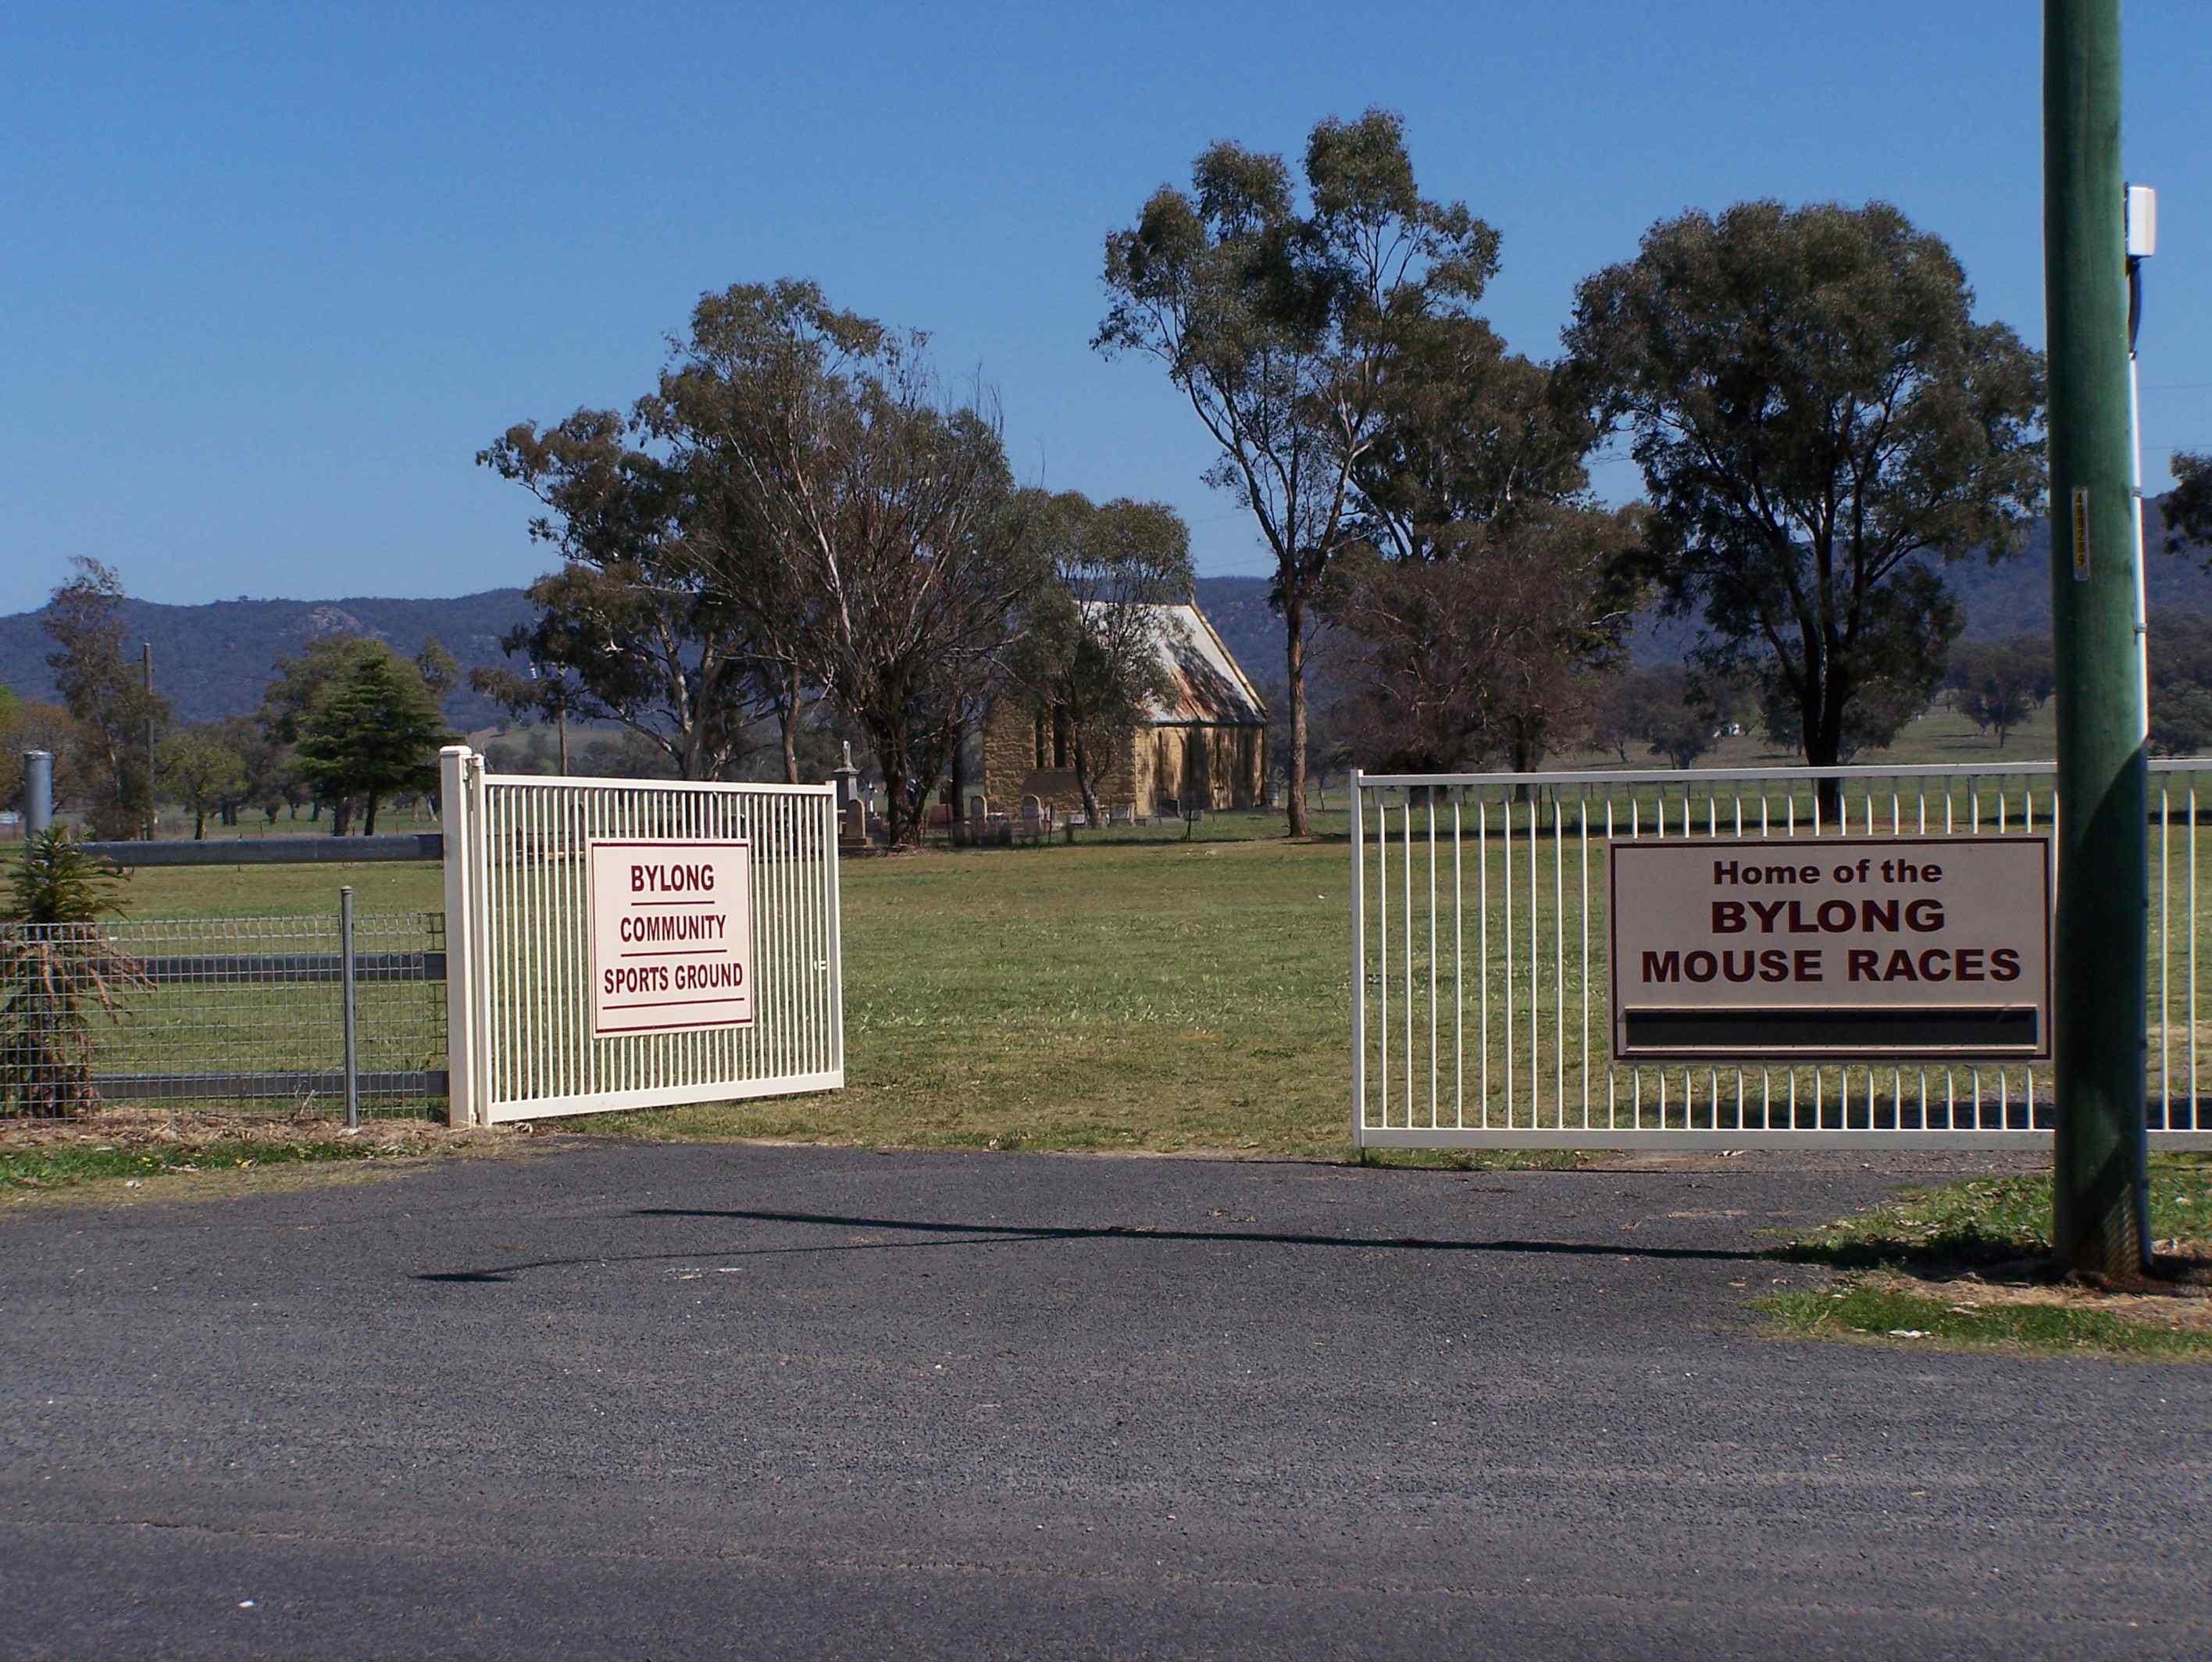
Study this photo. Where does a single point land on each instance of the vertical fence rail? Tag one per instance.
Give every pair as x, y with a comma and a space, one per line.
1522, 982
525, 881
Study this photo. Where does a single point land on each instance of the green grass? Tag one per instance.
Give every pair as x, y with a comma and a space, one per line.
1986, 1221
1117, 996
1880, 1315
69, 1165
1965, 1266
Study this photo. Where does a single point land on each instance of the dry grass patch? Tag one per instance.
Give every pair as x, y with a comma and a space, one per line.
123, 1156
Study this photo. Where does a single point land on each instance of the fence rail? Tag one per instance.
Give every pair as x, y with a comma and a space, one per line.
1480, 1004
274, 851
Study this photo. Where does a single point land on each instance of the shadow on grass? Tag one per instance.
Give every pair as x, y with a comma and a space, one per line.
1968, 1253
929, 1233
1945, 1255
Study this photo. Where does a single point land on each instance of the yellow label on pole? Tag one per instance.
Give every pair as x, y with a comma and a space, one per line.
2080, 533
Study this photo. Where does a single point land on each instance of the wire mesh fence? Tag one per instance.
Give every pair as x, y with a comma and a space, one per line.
247, 1014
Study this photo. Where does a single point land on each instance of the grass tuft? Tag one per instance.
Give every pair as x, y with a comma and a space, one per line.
1990, 1222
63, 1166
1875, 1314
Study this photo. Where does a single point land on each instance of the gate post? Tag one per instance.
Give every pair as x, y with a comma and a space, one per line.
457, 812
1358, 966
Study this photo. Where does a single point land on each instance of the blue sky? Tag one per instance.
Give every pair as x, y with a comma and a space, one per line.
271, 274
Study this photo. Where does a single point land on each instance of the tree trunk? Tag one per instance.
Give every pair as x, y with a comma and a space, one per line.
340, 816
1525, 757
787, 717
368, 819
1294, 617
959, 769
899, 817
199, 824
563, 718
1824, 743
1083, 783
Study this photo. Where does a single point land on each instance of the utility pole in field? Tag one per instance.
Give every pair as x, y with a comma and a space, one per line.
2099, 1187
146, 661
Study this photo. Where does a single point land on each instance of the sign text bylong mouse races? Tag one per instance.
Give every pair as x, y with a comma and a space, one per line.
1890, 948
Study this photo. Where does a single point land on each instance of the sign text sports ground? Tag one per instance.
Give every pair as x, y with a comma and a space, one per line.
672, 937
1834, 947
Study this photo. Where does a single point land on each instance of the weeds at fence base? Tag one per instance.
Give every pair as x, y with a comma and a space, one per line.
131, 1150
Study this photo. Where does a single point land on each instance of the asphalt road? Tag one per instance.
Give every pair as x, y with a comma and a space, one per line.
672, 1401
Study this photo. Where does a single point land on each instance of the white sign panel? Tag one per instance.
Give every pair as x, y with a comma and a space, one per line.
1832, 949
672, 937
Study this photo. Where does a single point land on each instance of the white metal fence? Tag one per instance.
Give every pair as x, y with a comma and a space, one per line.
1479, 1015
517, 870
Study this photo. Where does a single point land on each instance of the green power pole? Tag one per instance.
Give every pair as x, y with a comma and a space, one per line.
2102, 935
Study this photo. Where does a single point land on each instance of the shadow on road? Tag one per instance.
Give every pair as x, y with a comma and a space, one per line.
931, 1233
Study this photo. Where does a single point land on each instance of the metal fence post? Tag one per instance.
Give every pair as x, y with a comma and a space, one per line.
346, 978
1358, 968
463, 963
38, 792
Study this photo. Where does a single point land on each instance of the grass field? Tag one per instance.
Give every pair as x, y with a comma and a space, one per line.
1138, 991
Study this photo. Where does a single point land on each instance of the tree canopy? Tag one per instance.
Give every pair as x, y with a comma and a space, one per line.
202, 768
1088, 654
1821, 424
1277, 322
106, 693
627, 630
2188, 506
373, 731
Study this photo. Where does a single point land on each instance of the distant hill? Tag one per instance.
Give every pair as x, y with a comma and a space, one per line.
2012, 598
213, 660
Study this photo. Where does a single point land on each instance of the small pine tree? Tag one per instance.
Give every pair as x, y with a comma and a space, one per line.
377, 732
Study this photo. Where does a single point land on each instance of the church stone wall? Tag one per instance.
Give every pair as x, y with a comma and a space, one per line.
1216, 767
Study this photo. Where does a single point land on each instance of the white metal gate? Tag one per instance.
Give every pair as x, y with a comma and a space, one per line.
518, 909
1478, 1007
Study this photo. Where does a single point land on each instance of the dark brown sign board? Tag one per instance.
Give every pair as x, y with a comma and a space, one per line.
1830, 948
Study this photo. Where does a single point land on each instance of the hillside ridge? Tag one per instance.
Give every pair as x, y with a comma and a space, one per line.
212, 659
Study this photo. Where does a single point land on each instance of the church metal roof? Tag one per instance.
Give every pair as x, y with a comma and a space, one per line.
1211, 688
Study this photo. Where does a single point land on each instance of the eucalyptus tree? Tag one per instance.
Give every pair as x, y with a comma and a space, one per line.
1494, 651
872, 516
116, 715
1482, 547
1277, 320
1469, 434
1821, 424
627, 630
1090, 651
204, 769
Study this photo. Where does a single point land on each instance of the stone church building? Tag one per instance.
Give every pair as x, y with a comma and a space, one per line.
1205, 747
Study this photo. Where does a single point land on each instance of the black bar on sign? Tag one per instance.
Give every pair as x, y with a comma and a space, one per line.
274, 851
1780, 1032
